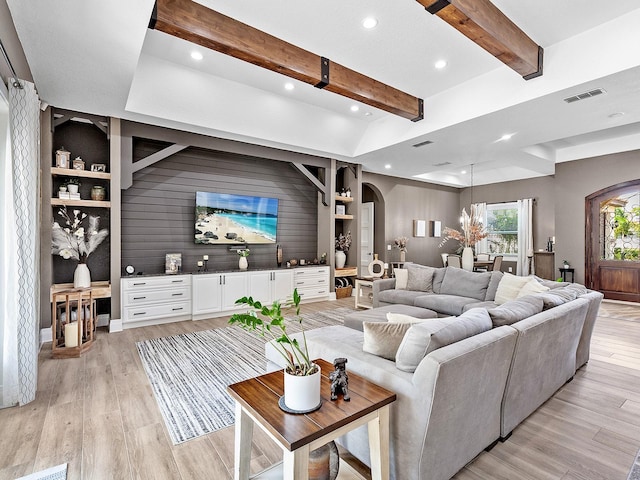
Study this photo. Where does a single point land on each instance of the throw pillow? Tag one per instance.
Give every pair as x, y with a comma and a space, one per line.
383, 339
420, 278
402, 275
515, 310
531, 287
509, 287
496, 276
466, 284
402, 318
424, 338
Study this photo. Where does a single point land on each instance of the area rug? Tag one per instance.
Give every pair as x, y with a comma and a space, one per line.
53, 473
189, 373
634, 474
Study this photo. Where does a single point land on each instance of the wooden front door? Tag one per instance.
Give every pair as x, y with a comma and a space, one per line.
613, 241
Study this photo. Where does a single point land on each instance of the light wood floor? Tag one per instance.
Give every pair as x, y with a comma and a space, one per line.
98, 414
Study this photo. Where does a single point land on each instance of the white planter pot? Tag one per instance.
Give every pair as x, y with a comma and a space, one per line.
82, 276
243, 263
467, 259
302, 393
72, 188
341, 259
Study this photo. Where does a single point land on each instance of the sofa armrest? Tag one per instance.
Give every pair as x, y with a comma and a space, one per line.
379, 286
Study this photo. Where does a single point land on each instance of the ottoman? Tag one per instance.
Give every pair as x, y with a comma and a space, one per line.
354, 320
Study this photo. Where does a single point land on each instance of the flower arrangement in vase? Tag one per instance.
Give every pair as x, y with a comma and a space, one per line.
472, 232
401, 244
243, 262
343, 243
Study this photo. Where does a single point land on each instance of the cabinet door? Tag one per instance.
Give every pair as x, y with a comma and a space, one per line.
260, 286
282, 285
234, 286
207, 291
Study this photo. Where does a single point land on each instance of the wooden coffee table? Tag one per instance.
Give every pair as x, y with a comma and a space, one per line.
297, 435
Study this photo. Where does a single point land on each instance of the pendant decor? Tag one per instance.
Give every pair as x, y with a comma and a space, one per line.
82, 276
467, 259
341, 259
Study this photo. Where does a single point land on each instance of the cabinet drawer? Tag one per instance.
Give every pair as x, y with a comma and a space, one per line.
313, 292
133, 314
310, 271
143, 297
155, 282
311, 281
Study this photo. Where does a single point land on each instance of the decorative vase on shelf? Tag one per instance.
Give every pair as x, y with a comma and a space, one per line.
82, 276
302, 393
467, 259
403, 255
243, 263
73, 188
341, 259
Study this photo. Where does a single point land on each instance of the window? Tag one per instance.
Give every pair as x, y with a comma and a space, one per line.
620, 228
501, 222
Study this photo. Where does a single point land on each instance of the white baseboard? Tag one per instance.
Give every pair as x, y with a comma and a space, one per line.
115, 325
45, 336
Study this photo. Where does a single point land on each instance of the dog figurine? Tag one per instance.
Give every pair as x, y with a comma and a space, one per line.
339, 380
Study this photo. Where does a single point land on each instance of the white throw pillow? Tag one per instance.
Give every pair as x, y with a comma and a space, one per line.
402, 318
383, 339
402, 277
532, 286
509, 288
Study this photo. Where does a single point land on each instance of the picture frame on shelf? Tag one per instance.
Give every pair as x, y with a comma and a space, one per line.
340, 210
173, 263
98, 167
78, 163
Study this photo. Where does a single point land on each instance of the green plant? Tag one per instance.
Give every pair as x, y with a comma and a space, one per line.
244, 253
269, 322
73, 181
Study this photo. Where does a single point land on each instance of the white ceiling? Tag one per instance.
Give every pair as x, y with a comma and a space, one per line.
100, 57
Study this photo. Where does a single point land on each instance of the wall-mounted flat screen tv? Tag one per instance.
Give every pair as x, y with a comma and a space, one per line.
223, 218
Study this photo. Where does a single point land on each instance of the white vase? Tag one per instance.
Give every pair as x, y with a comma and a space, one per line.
403, 256
243, 263
467, 258
341, 259
82, 276
302, 393
72, 188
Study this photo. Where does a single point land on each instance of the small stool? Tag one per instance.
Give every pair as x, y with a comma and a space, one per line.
564, 271
354, 320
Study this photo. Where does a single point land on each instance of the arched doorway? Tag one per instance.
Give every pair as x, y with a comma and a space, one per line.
613, 241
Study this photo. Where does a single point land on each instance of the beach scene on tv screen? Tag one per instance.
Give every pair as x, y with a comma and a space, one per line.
226, 218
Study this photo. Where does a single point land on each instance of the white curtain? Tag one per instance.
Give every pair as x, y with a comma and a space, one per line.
480, 210
525, 235
20, 224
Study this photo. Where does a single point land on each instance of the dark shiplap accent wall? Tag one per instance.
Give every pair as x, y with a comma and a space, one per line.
158, 210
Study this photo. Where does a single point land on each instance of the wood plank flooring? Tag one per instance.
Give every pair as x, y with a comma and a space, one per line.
98, 414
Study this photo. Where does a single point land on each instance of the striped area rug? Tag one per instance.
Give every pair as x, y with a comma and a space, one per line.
189, 373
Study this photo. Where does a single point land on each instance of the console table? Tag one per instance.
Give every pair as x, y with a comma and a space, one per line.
297, 435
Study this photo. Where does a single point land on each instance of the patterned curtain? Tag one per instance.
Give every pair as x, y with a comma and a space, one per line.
24, 125
525, 235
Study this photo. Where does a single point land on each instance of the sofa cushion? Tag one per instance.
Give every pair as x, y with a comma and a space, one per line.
445, 304
423, 338
551, 283
405, 297
466, 284
532, 286
401, 275
509, 287
420, 278
383, 339
558, 296
515, 310
485, 305
438, 277
393, 317
493, 286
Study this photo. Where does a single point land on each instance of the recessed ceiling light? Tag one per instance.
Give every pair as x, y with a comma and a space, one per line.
616, 114
355, 108
367, 114
289, 86
369, 22
387, 166
505, 137
196, 55
462, 172
440, 64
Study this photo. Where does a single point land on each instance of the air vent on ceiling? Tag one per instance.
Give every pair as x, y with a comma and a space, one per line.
422, 144
582, 96
441, 164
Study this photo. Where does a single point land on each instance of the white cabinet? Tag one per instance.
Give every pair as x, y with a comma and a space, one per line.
312, 282
217, 292
269, 285
153, 300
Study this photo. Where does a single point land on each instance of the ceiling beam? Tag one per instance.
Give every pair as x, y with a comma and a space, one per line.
482, 22
195, 23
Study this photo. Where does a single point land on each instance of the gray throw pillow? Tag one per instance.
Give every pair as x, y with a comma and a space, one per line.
515, 310
424, 338
438, 277
557, 296
465, 284
551, 283
383, 339
420, 278
493, 286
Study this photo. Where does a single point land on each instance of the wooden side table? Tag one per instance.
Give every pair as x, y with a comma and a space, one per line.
297, 435
564, 271
72, 338
364, 292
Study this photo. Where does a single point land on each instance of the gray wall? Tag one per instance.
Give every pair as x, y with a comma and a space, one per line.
158, 210
406, 200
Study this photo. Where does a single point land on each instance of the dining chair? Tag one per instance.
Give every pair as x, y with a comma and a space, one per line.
454, 261
483, 257
497, 263
444, 259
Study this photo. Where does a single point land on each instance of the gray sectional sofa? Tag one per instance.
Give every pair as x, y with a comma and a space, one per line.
468, 389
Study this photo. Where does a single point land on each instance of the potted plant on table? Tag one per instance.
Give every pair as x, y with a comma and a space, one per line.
301, 375
243, 262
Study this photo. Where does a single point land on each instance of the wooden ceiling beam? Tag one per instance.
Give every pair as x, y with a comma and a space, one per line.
483, 23
198, 24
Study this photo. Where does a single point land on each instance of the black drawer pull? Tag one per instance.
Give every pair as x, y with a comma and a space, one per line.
176, 294
140, 313
177, 281
176, 309
143, 283
139, 298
